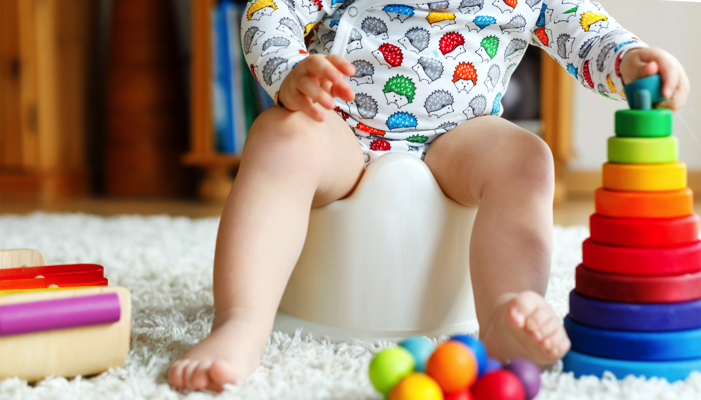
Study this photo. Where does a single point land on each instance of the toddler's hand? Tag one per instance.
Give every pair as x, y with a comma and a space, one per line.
316, 79
642, 62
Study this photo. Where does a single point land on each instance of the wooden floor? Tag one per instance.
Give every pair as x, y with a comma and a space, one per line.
572, 212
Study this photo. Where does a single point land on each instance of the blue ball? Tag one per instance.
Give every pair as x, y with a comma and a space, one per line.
419, 347
492, 364
478, 348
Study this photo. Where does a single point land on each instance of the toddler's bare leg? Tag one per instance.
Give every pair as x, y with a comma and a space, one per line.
507, 172
290, 164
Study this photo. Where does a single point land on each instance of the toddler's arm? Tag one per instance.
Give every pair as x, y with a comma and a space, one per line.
273, 34
585, 40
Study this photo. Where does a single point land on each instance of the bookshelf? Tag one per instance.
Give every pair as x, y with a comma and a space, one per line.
555, 122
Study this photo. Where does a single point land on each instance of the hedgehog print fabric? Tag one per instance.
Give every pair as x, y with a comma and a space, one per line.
423, 68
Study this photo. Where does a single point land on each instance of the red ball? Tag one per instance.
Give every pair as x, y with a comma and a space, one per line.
464, 394
499, 385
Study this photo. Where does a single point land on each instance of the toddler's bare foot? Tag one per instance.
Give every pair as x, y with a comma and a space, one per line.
228, 355
524, 325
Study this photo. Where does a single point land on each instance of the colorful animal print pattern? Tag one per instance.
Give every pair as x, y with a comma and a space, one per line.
424, 68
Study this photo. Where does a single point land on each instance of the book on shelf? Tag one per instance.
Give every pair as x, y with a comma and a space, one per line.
238, 98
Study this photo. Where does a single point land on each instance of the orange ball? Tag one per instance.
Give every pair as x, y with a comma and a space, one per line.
453, 365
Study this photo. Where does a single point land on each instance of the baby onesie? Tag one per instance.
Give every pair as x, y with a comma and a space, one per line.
424, 68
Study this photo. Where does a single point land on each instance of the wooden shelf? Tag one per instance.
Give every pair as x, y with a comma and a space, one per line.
212, 160
217, 168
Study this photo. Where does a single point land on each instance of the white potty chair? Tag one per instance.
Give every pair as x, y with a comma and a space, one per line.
389, 261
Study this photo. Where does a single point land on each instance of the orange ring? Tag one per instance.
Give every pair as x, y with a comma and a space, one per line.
611, 203
644, 177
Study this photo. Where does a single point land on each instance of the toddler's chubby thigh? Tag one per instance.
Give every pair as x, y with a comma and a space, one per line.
325, 154
486, 153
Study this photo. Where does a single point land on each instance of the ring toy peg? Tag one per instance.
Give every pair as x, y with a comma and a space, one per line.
643, 93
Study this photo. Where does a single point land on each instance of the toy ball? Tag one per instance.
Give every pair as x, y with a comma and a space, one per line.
528, 373
492, 364
464, 394
416, 386
477, 348
453, 366
499, 385
389, 366
421, 348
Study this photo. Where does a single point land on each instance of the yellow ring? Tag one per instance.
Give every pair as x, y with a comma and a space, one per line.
644, 177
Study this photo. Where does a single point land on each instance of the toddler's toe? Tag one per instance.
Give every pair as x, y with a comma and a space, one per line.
222, 373
175, 373
522, 306
200, 378
189, 372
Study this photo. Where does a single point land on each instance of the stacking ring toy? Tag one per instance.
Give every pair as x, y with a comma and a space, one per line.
643, 123
644, 232
642, 260
644, 177
637, 288
635, 316
582, 365
672, 204
635, 346
643, 93
643, 150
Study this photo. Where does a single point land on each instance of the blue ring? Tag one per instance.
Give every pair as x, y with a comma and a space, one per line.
582, 364
635, 317
636, 346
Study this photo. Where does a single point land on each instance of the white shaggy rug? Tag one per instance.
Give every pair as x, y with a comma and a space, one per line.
166, 263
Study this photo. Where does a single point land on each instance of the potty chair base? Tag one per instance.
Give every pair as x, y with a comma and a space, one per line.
290, 325
389, 261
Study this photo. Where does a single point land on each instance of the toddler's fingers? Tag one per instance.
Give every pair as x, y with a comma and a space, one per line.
322, 68
309, 108
679, 97
342, 64
668, 68
342, 90
315, 92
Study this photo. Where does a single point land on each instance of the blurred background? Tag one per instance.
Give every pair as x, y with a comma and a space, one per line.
142, 106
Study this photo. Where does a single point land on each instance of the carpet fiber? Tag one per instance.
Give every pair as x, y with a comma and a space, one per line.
166, 263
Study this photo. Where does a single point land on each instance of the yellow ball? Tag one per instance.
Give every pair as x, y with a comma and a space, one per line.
416, 386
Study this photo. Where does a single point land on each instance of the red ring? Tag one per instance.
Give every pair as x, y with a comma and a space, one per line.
644, 232
636, 288
642, 260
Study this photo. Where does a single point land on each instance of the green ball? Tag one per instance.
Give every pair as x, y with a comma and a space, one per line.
389, 366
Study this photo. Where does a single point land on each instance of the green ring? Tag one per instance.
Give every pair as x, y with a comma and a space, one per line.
644, 123
643, 150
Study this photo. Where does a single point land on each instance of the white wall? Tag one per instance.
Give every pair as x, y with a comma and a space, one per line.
673, 26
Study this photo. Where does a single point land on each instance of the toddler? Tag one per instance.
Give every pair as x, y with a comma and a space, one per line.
382, 76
